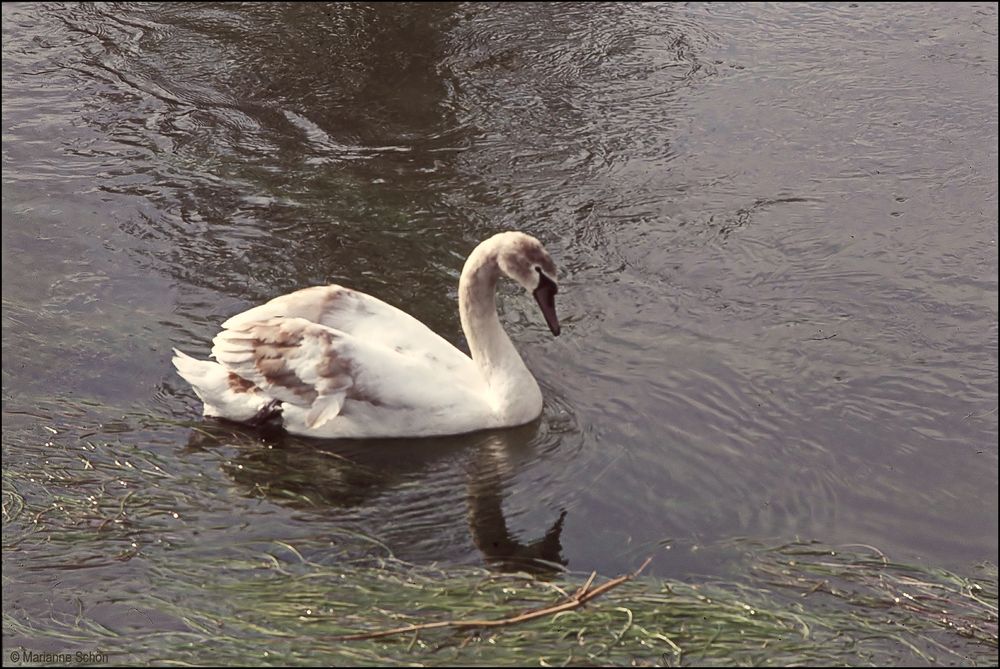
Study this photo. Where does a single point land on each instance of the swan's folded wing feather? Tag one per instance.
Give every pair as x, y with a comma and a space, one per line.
290, 359
360, 315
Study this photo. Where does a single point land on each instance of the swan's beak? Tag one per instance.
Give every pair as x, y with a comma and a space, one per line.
545, 295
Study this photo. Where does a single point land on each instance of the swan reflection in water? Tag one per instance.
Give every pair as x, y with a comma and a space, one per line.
411, 487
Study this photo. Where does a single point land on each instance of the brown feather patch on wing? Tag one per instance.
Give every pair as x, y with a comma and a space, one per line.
240, 385
289, 358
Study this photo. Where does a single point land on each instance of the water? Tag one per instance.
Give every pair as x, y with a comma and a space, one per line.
776, 230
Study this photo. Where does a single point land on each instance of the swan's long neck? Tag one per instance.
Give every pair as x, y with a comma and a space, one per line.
515, 392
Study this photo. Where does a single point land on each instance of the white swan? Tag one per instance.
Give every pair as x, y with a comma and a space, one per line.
333, 362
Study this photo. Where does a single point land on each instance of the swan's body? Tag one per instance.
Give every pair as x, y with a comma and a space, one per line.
334, 362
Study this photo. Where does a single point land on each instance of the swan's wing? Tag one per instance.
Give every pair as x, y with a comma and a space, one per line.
289, 359
358, 314
318, 368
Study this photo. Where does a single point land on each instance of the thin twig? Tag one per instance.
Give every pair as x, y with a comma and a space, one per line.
579, 598
585, 587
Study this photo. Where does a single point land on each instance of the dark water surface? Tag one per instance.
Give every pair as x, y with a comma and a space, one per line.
776, 227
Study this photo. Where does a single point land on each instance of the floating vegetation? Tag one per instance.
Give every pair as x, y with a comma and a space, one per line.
193, 591
802, 604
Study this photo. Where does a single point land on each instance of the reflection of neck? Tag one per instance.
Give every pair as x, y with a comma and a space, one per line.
514, 388
488, 525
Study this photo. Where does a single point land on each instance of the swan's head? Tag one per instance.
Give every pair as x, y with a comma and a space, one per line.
525, 260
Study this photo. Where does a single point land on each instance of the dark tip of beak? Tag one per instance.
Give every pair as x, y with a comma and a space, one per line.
545, 295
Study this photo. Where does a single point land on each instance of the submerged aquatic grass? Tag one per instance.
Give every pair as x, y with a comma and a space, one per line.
99, 507
803, 604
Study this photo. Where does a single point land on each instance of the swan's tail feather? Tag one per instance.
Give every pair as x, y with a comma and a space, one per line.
225, 394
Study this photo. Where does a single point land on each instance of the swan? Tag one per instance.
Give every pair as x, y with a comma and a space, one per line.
333, 362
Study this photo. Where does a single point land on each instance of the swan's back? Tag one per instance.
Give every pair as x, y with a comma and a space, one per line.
359, 315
